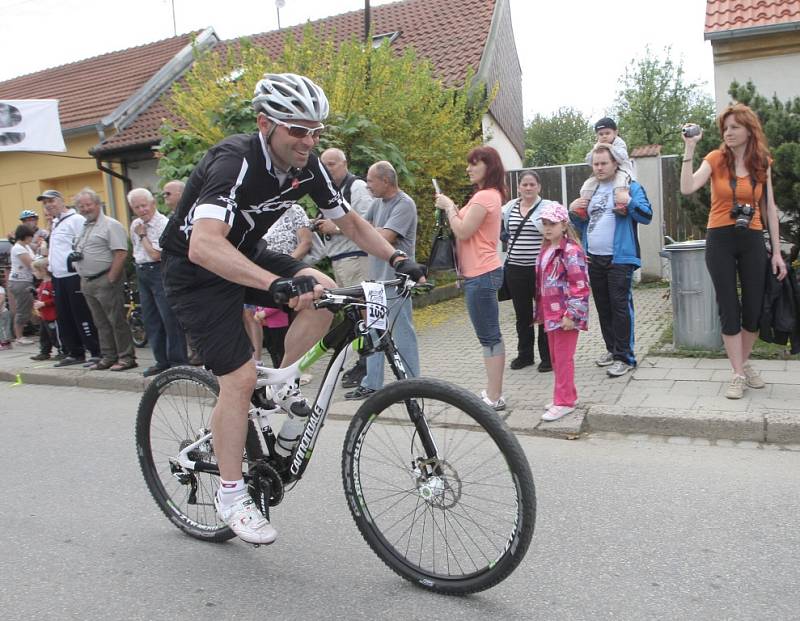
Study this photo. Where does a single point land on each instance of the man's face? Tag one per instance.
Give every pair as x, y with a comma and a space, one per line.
143, 207
172, 194
335, 165
88, 208
603, 165
288, 152
53, 206
376, 184
606, 135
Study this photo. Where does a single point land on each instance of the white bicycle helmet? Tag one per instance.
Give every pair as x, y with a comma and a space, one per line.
290, 97
27, 213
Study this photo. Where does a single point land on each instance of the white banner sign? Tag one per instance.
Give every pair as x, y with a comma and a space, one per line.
30, 125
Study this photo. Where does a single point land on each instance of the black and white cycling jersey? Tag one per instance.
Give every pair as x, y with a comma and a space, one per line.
236, 182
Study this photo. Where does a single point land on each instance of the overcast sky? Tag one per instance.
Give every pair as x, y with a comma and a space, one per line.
572, 52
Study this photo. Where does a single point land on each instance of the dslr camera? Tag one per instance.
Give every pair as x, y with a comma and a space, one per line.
72, 257
742, 214
691, 130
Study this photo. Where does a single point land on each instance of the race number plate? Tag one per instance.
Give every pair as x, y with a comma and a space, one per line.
375, 296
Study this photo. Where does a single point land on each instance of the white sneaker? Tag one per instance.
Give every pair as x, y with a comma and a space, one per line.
246, 520
498, 405
753, 377
24, 341
556, 412
291, 400
618, 368
551, 404
736, 388
605, 360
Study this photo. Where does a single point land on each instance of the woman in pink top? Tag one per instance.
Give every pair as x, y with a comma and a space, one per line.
476, 227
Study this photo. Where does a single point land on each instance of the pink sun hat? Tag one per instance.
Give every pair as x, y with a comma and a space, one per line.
555, 212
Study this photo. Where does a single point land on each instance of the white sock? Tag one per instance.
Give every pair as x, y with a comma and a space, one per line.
230, 491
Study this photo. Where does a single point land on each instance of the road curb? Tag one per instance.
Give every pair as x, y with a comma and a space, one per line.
780, 427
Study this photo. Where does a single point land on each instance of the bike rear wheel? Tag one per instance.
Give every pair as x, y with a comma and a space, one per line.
138, 333
457, 523
175, 411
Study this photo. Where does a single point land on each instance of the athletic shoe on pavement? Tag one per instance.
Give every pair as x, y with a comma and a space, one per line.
618, 368
607, 359
244, 518
556, 412
498, 405
753, 377
736, 388
361, 392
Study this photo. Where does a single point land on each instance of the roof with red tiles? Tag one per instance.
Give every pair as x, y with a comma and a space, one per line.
730, 15
647, 150
90, 89
452, 45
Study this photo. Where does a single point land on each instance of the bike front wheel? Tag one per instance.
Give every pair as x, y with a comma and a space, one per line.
175, 412
454, 516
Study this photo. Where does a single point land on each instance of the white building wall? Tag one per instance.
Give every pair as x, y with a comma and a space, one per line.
773, 74
494, 136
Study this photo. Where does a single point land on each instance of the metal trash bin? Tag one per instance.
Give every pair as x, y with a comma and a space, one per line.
695, 317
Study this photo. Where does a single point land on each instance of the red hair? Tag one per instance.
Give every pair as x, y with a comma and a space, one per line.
495, 173
756, 154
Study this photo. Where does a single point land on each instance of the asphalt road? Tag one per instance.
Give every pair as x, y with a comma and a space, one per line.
626, 530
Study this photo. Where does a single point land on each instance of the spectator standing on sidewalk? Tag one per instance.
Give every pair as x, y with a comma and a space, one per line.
172, 192
394, 214
20, 281
522, 224
610, 238
76, 328
563, 304
5, 322
349, 262
103, 248
739, 171
164, 333
45, 306
476, 227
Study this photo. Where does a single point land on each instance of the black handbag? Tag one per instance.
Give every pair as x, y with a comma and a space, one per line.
443, 249
504, 292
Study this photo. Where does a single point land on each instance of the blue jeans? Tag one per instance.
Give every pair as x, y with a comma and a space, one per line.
164, 333
405, 338
480, 295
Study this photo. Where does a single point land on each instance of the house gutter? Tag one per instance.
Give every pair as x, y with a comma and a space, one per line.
751, 32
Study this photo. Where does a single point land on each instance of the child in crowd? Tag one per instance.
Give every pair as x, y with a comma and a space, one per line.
45, 307
276, 325
606, 131
5, 322
562, 284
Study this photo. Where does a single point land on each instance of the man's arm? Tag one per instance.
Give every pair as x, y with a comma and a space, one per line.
639, 206
365, 235
209, 248
117, 265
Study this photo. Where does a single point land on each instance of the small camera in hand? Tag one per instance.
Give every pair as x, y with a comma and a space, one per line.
742, 214
73, 257
691, 130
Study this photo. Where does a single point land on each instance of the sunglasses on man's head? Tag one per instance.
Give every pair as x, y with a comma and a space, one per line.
300, 131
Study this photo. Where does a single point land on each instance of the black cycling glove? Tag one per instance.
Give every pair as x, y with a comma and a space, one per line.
410, 268
283, 289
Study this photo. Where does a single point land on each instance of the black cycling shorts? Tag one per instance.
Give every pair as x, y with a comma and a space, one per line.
209, 308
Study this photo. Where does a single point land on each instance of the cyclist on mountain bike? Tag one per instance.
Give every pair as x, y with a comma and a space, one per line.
215, 261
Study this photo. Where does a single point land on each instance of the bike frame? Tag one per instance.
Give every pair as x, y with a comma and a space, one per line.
339, 340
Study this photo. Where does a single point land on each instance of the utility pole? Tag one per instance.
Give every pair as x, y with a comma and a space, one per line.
366, 22
279, 4
174, 26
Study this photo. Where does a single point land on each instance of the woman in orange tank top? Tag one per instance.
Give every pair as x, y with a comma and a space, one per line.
740, 173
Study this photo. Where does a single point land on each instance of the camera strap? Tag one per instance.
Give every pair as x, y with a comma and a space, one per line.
753, 184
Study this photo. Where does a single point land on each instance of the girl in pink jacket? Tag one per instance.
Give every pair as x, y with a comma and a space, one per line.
562, 284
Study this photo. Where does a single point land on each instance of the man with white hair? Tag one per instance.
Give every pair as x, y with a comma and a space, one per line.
164, 333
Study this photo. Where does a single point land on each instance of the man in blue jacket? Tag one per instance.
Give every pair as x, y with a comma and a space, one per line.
609, 233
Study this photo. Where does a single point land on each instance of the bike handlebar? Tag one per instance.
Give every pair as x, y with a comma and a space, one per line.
355, 293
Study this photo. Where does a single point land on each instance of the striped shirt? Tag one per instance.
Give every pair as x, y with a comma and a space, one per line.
527, 246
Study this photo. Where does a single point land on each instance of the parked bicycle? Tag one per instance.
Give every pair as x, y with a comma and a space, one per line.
134, 316
435, 480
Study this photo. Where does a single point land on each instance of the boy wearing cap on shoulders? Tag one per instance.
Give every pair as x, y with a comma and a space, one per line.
606, 131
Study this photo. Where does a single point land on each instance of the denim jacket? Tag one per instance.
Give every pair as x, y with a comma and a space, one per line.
562, 287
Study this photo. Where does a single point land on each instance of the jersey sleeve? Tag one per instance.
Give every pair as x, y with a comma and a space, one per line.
224, 174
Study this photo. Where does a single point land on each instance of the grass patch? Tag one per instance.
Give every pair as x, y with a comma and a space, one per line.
761, 350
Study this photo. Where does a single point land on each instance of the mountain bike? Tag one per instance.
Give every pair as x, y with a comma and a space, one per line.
436, 482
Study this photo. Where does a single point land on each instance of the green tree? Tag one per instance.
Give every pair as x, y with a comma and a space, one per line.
781, 123
384, 106
655, 99
563, 138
